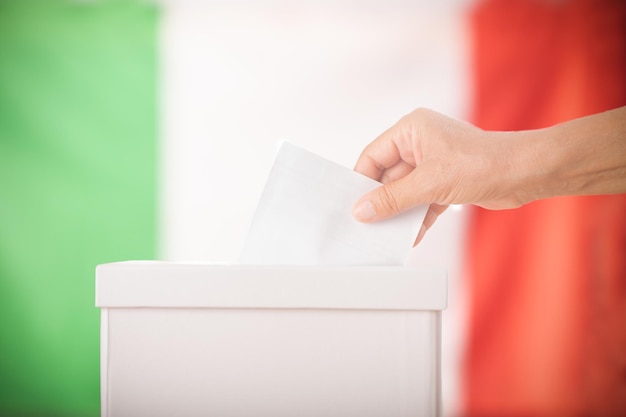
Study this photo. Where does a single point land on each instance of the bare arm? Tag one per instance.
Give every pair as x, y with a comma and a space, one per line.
584, 156
428, 158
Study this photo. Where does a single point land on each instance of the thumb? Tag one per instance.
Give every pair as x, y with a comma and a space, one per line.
387, 200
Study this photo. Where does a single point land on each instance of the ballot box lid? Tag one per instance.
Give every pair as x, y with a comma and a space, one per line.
177, 285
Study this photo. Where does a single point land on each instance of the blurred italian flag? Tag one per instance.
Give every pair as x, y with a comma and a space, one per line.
141, 130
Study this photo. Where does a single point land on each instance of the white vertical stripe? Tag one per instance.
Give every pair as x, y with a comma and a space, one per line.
237, 76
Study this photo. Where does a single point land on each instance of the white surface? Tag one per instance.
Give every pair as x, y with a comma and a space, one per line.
352, 360
160, 284
213, 362
442, 248
329, 76
304, 217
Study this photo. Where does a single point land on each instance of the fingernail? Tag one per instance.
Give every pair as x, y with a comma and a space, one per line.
420, 235
364, 211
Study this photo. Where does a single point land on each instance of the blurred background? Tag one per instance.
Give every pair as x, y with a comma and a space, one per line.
145, 130
141, 130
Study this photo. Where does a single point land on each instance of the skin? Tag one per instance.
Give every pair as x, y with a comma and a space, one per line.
429, 158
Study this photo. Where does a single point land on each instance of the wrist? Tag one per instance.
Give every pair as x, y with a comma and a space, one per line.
530, 165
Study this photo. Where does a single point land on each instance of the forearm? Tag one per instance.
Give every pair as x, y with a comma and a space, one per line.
428, 158
584, 156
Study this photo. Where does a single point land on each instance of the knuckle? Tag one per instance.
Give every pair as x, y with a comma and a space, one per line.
388, 201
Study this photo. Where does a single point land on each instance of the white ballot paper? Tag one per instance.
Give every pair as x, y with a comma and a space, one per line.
304, 217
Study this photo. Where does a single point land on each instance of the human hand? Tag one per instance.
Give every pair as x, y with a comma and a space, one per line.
429, 158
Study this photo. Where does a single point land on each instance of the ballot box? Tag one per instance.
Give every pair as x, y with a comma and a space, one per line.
215, 340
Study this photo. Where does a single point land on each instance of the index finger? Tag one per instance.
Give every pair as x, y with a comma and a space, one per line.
380, 154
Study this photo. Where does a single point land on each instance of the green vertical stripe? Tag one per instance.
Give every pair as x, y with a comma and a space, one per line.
77, 187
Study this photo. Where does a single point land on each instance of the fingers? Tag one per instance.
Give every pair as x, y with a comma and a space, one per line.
392, 159
419, 162
434, 210
380, 154
388, 200
399, 170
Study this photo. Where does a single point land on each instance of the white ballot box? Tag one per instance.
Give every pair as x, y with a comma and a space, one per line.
208, 340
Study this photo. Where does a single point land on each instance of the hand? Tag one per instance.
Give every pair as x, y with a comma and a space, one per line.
428, 158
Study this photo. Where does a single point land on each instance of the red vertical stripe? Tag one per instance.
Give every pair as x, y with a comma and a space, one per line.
547, 330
